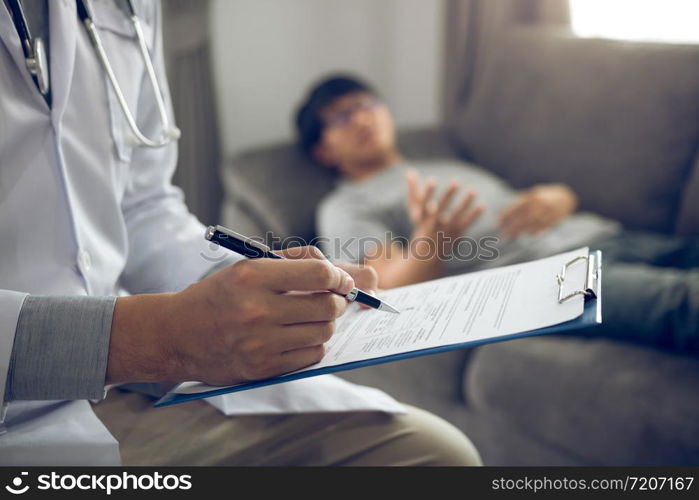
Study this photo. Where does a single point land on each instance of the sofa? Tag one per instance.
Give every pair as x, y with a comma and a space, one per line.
619, 123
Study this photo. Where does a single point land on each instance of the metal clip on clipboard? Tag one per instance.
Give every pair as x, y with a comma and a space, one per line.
592, 277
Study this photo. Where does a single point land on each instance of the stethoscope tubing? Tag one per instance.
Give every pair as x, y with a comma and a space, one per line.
22, 27
34, 53
36, 64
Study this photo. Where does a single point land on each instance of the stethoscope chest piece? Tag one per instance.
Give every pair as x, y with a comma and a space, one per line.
38, 66
35, 57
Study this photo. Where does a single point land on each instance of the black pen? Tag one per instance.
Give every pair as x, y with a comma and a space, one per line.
255, 250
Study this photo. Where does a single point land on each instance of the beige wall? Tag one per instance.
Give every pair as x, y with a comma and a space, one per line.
266, 52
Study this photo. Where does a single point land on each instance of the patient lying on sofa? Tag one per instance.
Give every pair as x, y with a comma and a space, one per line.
462, 218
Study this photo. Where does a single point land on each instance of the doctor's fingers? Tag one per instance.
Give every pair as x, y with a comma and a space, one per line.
300, 358
364, 275
305, 252
293, 309
303, 335
290, 275
269, 362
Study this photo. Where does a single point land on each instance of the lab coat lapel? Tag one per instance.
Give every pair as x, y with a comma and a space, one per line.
64, 26
9, 36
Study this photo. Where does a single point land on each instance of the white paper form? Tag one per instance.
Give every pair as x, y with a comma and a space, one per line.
470, 307
475, 306
325, 393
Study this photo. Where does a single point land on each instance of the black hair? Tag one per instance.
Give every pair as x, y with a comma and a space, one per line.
309, 122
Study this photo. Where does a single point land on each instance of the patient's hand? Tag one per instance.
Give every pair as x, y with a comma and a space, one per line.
537, 210
435, 220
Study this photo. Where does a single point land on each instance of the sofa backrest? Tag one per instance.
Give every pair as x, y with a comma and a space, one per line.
617, 121
278, 189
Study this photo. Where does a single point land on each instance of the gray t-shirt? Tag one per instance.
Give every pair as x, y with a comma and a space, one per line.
356, 216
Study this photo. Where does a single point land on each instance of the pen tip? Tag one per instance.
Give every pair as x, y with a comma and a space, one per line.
385, 307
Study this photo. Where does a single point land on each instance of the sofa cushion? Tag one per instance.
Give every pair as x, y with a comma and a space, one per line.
609, 403
278, 187
617, 121
281, 189
688, 217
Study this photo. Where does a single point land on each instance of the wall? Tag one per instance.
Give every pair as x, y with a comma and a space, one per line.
267, 52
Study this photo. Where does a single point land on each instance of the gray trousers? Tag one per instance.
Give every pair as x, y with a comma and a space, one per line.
650, 290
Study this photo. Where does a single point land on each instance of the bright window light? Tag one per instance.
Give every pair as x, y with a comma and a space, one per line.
674, 21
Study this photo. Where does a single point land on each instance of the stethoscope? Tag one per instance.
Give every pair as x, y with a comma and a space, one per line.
35, 57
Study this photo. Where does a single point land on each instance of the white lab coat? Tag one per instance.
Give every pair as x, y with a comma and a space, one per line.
81, 211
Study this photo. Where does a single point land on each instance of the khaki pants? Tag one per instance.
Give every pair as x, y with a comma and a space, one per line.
196, 433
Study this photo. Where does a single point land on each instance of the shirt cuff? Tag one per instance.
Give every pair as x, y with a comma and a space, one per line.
10, 307
61, 348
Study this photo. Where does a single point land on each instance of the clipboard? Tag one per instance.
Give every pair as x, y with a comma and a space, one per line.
591, 290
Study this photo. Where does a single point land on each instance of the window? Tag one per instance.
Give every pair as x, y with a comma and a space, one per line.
647, 20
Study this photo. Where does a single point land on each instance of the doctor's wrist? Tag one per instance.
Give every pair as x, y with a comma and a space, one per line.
139, 349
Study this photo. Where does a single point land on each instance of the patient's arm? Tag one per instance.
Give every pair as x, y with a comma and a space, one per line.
538, 209
398, 266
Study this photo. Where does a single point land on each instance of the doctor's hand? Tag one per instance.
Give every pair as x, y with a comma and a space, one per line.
365, 277
537, 210
251, 320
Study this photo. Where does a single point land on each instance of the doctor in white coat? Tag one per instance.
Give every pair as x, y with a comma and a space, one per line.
86, 209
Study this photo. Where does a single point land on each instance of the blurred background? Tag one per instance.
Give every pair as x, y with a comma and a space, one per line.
266, 53
600, 95
252, 60
239, 67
